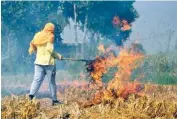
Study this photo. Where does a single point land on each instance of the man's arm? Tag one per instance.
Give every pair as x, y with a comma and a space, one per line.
50, 49
32, 48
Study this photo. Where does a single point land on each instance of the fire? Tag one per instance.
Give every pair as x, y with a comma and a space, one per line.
101, 48
123, 24
126, 62
101, 65
121, 85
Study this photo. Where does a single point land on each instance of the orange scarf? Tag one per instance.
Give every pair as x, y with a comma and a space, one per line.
43, 37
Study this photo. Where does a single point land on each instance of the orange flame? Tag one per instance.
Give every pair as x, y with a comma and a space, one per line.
123, 24
120, 86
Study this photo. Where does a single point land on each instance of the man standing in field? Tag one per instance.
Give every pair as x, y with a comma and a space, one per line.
42, 44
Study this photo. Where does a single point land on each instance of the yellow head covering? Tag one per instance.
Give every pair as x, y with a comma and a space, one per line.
43, 37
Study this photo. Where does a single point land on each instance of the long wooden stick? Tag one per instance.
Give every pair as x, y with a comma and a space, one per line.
73, 59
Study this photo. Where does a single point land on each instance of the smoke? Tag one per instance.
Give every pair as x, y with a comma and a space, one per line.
27, 18
13, 52
23, 29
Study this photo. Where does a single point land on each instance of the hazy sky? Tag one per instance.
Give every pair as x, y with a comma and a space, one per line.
152, 27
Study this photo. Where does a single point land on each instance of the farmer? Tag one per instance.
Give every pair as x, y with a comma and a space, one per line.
42, 44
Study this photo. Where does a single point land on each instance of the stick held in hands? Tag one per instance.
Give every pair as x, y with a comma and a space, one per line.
73, 59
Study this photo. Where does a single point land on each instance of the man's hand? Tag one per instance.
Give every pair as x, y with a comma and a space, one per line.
60, 57
31, 49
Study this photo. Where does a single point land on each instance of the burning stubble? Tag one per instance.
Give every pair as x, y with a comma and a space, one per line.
121, 85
